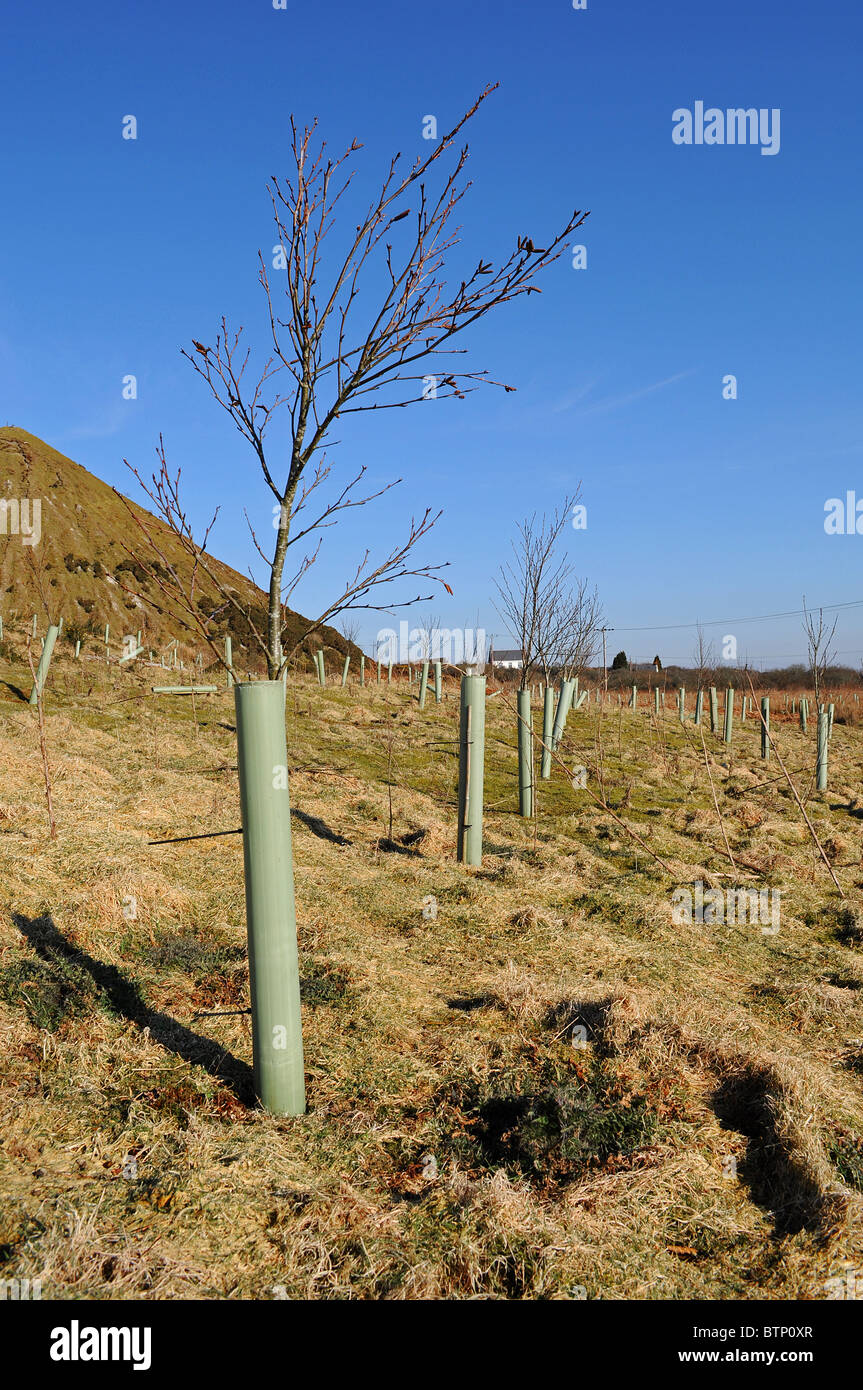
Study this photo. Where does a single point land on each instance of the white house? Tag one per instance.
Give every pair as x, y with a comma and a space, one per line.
507, 660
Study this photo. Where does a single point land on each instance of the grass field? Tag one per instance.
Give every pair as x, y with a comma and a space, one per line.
537, 1085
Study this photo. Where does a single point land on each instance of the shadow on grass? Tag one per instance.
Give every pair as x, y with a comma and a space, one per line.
319, 827
777, 1177
17, 691
124, 998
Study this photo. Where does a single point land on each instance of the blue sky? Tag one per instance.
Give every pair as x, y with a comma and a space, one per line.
703, 261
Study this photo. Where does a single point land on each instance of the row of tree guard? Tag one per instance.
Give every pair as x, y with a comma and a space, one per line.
555, 710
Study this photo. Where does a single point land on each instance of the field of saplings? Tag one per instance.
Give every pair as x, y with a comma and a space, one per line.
620, 1057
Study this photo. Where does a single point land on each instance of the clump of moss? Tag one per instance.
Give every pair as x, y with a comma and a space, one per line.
48, 991
550, 1123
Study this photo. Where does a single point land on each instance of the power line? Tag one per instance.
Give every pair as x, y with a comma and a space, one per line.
761, 618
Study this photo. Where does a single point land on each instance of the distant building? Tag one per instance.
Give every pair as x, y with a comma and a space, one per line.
507, 660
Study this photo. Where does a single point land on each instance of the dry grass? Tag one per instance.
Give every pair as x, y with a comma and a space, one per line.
548, 1090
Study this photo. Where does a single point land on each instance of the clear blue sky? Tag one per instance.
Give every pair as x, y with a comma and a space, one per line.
702, 261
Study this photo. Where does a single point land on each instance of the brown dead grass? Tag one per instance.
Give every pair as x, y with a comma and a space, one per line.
132, 1163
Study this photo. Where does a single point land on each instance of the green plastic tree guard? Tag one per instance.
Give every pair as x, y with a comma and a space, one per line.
699, 704
271, 923
681, 703
229, 661
438, 682
77, 649
804, 711
821, 753
44, 662
471, 768
525, 754
765, 726
656, 700
322, 674
345, 669
714, 710
424, 682
547, 727
830, 710
729, 715
564, 700
33, 631
633, 702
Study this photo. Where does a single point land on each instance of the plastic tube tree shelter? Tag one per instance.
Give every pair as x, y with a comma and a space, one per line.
821, 751
44, 662
471, 767
277, 1044
564, 700
525, 753
765, 726
547, 728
